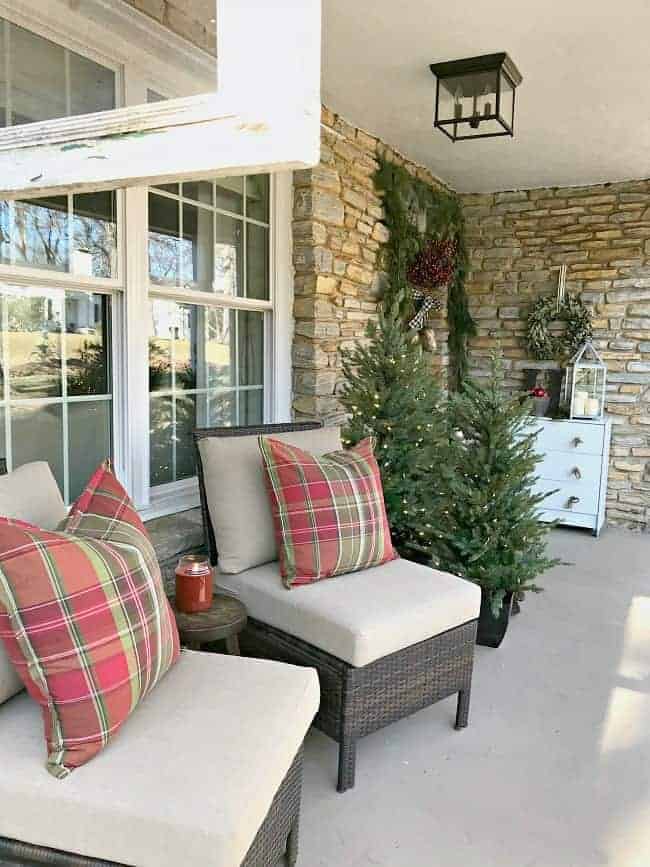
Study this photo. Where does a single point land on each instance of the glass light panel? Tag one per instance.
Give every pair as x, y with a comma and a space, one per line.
185, 423
92, 87
186, 346
230, 194
199, 191
164, 240
197, 264
257, 197
228, 255
34, 344
37, 75
257, 262
89, 441
161, 444
5, 232
251, 347
87, 344
507, 101
94, 230
222, 410
251, 407
39, 238
37, 435
220, 347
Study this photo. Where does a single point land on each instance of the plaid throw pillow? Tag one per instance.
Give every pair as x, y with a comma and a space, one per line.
328, 512
85, 620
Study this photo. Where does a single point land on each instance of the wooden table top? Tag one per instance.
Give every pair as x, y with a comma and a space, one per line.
225, 618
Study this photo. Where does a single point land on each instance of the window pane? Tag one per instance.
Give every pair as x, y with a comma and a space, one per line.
257, 197
89, 441
257, 261
200, 191
184, 442
230, 194
185, 346
92, 87
37, 70
40, 233
168, 188
163, 319
95, 234
5, 232
228, 256
160, 440
251, 407
222, 410
34, 339
164, 240
220, 348
86, 343
37, 435
251, 348
197, 249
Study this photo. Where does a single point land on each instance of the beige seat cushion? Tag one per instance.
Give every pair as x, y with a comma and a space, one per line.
30, 494
236, 494
189, 779
362, 616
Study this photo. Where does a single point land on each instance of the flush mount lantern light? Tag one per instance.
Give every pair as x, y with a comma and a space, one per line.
475, 97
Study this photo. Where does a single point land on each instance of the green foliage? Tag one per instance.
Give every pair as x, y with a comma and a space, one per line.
491, 532
416, 212
392, 394
545, 346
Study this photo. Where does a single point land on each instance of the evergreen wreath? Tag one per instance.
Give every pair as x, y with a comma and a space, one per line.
544, 345
406, 199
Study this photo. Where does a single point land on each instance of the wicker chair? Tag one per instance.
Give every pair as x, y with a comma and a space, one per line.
358, 701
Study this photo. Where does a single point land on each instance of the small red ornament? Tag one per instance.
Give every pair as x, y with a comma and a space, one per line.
538, 391
434, 264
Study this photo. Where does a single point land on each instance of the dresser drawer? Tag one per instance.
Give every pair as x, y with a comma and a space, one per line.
563, 467
570, 437
586, 494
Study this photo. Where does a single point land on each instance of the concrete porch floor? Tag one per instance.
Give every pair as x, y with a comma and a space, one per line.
554, 769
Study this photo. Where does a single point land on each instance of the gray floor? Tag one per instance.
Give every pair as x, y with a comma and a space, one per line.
554, 769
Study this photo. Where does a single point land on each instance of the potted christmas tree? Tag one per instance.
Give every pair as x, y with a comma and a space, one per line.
493, 536
392, 394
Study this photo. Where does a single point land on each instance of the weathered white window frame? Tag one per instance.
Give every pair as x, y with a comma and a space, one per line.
264, 115
130, 289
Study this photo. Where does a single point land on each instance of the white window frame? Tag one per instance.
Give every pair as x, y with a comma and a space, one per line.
264, 115
130, 291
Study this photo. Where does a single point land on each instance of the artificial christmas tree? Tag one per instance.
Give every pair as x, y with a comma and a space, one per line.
392, 394
492, 534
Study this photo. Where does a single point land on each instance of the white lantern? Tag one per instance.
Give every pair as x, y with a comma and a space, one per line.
584, 384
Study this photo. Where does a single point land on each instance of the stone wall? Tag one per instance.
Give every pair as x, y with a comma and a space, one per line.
338, 232
182, 17
518, 240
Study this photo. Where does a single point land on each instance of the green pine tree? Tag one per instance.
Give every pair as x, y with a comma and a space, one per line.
492, 535
392, 394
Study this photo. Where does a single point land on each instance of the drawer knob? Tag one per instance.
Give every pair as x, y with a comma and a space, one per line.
573, 501
576, 473
577, 441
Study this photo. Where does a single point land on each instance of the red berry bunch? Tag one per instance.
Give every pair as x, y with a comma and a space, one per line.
538, 391
434, 264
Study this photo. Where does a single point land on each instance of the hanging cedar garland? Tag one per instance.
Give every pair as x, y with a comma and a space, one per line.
416, 214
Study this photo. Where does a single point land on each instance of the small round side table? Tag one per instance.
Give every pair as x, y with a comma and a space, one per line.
222, 622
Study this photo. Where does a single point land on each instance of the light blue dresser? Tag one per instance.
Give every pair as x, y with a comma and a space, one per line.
575, 462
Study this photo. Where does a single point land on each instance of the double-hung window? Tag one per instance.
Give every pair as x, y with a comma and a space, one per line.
129, 318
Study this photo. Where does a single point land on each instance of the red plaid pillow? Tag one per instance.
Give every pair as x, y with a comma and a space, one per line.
85, 620
328, 512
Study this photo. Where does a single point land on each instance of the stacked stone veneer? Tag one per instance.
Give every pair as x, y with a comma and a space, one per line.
518, 240
338, 232
178, 15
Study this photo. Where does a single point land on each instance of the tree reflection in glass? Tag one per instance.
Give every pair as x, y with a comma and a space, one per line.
40, 233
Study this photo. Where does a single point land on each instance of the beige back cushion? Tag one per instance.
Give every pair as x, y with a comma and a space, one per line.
236, 494
30, 494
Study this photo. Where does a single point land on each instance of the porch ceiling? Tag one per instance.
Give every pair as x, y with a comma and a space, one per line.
583, 112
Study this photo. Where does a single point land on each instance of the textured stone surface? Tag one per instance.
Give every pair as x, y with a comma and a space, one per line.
338, 233
173, 536
518, 241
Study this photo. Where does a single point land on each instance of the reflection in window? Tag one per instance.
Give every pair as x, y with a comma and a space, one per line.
55, 396
43, 80
36, 233
206, 368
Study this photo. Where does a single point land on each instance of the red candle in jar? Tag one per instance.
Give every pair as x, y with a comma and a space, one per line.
193, 584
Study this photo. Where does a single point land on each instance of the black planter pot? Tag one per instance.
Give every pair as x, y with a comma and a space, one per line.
491, 629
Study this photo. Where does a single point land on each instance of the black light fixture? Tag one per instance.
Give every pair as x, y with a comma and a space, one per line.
475, 97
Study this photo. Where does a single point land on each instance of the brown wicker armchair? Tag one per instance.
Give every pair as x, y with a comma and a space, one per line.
358, 701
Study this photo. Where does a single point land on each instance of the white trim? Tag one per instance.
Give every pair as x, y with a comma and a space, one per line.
171, 499
282, 293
